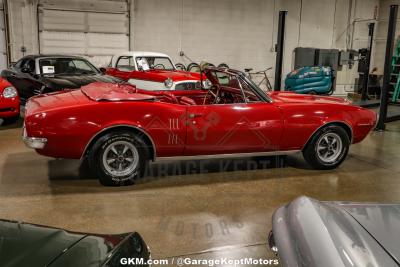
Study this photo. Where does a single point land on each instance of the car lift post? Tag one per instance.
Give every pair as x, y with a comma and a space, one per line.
279, 50
364, 92
380, 126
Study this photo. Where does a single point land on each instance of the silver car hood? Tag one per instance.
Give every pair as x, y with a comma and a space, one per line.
382, 221
311, 233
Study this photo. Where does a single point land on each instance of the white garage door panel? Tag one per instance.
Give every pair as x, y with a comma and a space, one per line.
102, 44
97, 35
62, 42
56, 20
108, 23
91, 44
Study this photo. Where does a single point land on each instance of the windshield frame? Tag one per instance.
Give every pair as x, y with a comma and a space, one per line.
242, 78
40, 71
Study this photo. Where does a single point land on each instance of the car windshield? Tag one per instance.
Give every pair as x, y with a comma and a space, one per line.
153, 63
66, 66
238, 82
254, 87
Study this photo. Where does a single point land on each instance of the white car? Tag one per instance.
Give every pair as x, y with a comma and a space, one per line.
152, 71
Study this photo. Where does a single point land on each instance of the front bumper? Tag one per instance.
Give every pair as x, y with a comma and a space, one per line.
33, 142
9, 107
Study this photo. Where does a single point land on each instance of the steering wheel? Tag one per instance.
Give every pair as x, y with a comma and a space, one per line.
157, 66
214, 91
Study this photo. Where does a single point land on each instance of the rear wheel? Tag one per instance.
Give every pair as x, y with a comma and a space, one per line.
327, 148
118, 158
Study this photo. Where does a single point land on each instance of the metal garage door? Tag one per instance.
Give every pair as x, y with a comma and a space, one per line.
3, 48
96, 34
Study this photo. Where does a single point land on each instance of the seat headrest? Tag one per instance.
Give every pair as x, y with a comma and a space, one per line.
186, 101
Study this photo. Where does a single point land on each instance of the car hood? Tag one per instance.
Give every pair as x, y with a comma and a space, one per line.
162, 75
382, 221
291, 97
33, 245
24, 244
311, 233
76, 81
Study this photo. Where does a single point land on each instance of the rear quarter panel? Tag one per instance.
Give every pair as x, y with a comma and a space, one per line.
69, 130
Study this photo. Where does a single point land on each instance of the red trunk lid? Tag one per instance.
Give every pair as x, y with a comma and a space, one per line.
113, 92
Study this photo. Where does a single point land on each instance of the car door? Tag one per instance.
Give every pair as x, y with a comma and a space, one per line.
124, 68
233, 128
242, 121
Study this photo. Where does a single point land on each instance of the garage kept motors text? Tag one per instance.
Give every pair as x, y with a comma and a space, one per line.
186, 261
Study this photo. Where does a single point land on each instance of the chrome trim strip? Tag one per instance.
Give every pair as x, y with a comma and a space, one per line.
188, 81
220, 156
366, 124
323, 125
121, 125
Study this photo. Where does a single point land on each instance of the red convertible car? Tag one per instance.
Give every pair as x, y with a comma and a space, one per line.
120, 128
9, 102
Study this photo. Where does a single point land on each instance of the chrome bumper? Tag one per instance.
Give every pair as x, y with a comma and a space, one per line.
33, 142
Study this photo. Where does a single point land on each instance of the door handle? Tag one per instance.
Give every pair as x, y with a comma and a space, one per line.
194, 115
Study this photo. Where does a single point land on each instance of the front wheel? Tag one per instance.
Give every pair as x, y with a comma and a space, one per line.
118, 158
327, 148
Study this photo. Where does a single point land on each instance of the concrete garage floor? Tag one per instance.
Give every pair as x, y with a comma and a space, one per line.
198, 214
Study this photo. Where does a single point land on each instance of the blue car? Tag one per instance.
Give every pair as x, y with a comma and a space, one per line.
310, 80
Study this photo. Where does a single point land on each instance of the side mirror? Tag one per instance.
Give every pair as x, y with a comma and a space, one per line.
103, 70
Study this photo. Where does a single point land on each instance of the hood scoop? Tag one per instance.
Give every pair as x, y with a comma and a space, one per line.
99, 91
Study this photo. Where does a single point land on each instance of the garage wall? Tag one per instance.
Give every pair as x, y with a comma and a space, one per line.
3, 43
240, 33
243, 33
22, 27
232, 31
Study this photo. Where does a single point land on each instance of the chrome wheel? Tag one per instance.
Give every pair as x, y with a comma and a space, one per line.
120, 158
329, 147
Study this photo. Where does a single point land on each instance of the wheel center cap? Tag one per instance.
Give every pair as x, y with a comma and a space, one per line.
120, 158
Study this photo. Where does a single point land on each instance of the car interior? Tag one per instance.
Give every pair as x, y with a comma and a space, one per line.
225, 89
